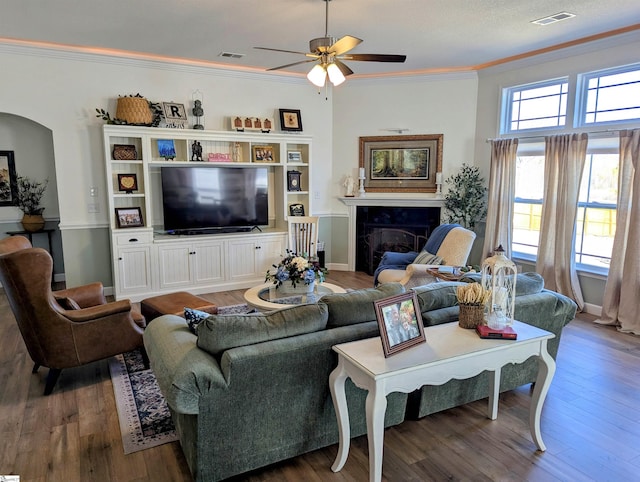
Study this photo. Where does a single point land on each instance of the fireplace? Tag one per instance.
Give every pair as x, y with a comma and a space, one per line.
378, 221
383, 228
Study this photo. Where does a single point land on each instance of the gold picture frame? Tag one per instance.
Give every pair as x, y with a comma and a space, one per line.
263, 154
401, 163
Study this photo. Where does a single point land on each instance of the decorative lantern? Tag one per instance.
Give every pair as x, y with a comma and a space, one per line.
499, 276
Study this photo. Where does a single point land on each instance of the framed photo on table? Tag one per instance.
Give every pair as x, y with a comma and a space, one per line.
290, 120
401, 163
129, 218
400, 322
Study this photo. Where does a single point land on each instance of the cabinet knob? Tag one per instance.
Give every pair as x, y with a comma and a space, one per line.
133, 240
120, 259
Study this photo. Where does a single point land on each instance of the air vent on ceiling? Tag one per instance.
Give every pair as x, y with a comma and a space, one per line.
553, 18
231, 55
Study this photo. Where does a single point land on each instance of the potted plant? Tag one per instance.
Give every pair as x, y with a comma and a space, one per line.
465, 202
29, 197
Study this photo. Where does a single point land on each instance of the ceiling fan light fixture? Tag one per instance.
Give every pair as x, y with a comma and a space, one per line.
335, 75
317, 75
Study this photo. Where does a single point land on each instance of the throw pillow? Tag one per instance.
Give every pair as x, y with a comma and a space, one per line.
435, 296
67, 303
357, 306
194, 318
218, 333
425, 257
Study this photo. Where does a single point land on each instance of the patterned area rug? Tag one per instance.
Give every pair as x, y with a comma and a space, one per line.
144, 417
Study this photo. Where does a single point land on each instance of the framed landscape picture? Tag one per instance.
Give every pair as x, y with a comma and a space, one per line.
401, 163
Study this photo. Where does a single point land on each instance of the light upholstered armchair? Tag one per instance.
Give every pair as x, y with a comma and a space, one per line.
449, 244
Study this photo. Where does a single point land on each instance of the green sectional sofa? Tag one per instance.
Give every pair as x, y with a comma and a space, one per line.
251, 390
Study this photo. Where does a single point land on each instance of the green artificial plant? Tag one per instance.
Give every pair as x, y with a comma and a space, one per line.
30, 194
465, 202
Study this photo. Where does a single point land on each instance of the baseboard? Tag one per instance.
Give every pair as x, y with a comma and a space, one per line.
592, 309
337, 267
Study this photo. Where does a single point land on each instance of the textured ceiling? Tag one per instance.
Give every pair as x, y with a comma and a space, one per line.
434, 34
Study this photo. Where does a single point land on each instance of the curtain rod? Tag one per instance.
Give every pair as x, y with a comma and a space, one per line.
541, 137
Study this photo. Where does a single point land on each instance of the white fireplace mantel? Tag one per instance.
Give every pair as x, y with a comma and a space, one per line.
382, 199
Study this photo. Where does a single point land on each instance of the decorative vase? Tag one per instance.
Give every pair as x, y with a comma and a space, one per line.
470, 315
300, 288
32, 222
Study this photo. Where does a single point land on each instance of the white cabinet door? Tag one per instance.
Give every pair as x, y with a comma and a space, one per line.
270, 252
242, 258
134, 270
208, 262
174, 265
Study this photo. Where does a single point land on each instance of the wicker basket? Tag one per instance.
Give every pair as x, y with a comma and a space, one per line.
471, 316
134, 110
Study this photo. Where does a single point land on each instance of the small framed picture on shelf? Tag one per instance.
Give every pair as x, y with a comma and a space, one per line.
175, 115
167, 149
293, 181
127, 183
296, 209
290, 120
400, 322
129, 218
294, 156
263, 154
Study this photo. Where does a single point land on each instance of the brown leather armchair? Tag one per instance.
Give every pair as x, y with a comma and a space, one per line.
67, 328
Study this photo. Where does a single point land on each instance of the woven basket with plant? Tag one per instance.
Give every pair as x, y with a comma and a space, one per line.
472, 297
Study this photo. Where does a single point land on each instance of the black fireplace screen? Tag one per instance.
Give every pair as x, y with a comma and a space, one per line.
399, 229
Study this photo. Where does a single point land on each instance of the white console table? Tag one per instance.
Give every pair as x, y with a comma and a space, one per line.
450, 352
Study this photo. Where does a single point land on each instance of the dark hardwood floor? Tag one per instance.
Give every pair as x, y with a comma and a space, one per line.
590, 423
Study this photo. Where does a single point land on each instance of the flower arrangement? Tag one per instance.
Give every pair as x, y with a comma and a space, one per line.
472, 294
297, 269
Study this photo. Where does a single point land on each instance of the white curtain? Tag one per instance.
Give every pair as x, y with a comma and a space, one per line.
501, 194
620, 303
564, 161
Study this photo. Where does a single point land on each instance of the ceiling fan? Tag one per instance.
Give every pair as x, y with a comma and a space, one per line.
329, 53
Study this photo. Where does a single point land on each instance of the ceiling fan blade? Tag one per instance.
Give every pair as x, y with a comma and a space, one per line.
290, 65
375, 57
286, 51
343, 45
343, 68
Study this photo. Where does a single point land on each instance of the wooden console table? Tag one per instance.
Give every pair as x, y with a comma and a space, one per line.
29, 235
450, 352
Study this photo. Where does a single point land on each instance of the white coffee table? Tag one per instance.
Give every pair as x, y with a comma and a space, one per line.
450, 352
259, 296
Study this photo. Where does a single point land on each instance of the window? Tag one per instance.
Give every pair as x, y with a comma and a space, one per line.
608, 96
596, 220
535, 106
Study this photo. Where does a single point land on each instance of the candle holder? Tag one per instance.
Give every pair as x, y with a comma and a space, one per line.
361, 192
438, 184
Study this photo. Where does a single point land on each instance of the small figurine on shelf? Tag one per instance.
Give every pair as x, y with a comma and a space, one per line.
349, 184
198, 111
196, 151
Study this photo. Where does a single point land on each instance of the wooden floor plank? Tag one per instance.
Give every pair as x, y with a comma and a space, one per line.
589, 423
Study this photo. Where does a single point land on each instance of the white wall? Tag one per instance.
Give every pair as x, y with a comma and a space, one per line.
61, 91
436, 104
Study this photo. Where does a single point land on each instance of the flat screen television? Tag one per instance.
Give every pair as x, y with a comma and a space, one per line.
200, 200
